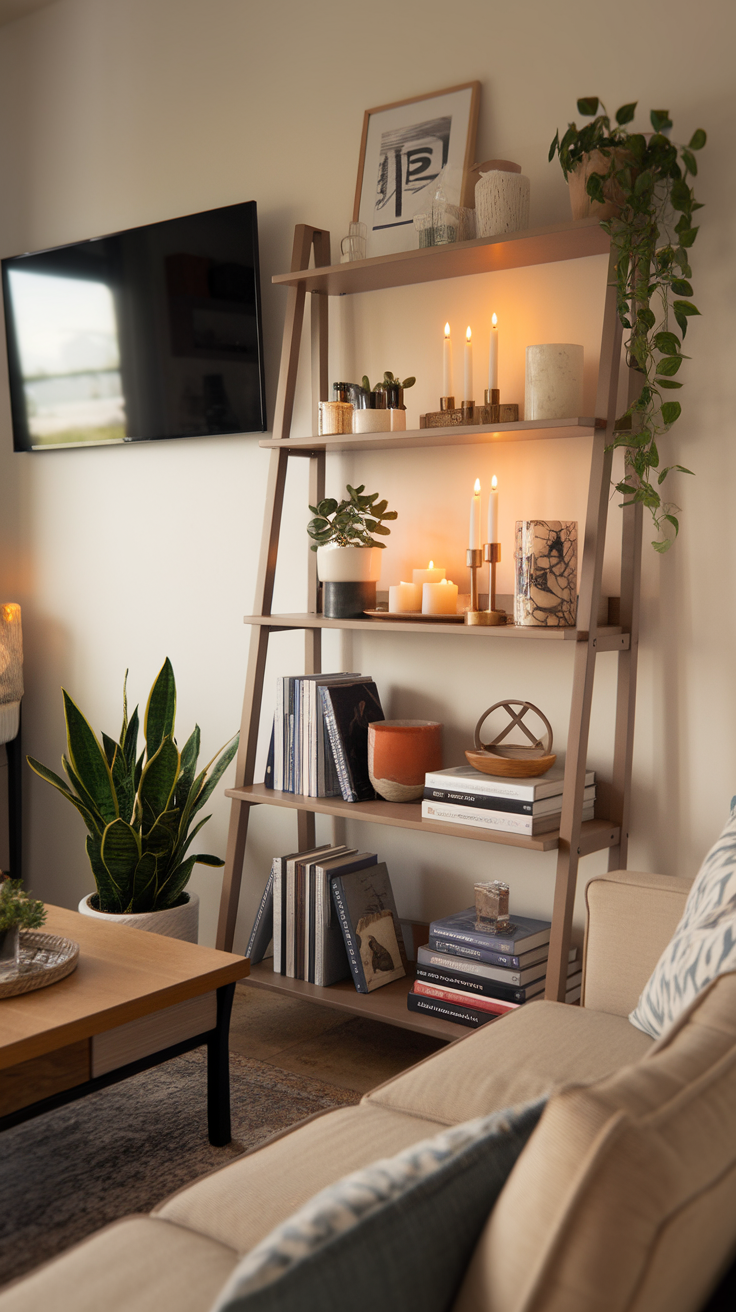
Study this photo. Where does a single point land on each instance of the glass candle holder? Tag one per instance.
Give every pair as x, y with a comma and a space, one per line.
492, 906
546, 562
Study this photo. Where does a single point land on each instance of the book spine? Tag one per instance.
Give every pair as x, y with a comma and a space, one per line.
448, 1011
278, 736
501, 973
278, 915
472, 983
476, 818
356, 965
341, 765
492, 944
463, 999
483, 801
260, 913
491, 787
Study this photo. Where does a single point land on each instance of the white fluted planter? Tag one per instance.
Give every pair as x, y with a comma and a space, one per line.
175, 922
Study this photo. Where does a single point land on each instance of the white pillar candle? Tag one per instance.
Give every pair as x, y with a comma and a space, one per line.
429, 575
404, 597
447, 363
493, 355
474, 540
439, 598
554, 381
493, 511
468, 393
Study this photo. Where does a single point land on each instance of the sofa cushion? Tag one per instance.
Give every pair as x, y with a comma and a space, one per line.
625, 1197
703, 944
241, 1203
631, 918
138, 1263
396, 1234
529, 1052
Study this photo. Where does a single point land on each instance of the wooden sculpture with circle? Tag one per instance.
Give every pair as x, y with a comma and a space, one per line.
514, 760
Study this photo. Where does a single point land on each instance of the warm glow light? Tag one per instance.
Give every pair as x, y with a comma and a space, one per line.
494, 482
476, 489
447, 330
430, 565
494, 319
468, 334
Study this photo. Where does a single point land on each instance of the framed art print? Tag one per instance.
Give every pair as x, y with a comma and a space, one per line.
402, 150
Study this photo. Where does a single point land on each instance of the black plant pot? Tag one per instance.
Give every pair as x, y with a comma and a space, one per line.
343, 601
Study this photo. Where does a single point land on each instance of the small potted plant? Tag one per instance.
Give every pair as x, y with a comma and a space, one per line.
638, 184
139, 812
381, 407
17, 911
348, 555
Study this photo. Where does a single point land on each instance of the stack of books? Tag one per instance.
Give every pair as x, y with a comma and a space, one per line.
464, 796
331, 915
469, 976
319, 743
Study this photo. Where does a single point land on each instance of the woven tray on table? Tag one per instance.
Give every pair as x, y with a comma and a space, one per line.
44, 959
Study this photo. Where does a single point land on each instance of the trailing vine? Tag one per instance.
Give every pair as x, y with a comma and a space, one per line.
647, 177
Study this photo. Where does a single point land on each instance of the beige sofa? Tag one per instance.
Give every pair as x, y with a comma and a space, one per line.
624, 1198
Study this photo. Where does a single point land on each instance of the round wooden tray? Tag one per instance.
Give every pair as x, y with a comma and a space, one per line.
44, 959
457, 618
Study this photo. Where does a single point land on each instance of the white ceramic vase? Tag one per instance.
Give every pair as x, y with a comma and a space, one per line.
175, 922
337, 564
501, 203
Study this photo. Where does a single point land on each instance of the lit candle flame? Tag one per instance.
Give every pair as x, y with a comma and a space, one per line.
430, 565
468, 334
447, 330
476, 488
494, 482
494, 320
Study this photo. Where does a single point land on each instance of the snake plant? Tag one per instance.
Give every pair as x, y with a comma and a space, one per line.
138, 809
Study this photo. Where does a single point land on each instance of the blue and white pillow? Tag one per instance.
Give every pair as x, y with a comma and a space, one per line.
395, 1235
703, 945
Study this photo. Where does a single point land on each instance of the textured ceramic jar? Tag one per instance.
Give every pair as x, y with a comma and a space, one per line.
175, 922
554, 381
400, 752
501, 203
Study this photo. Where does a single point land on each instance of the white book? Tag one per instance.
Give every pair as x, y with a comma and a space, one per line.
507, 821
523, 790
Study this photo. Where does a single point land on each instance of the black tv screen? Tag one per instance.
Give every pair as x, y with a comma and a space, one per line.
150, 333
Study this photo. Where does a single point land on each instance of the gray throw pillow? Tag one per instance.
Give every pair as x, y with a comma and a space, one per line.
396, 1235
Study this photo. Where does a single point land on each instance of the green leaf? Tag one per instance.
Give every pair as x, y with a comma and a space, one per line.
120, 853
660, 119
662, 546
690, 162
217, 773
108, 893
680, 195
588, 106
681, 322
626, 113
671, 410
172, 887
594, 187
109, 745
666, 343
93, 822
553, 147
189, 758
681, 287
326, 507
158, 782
122, 778
144, 884
667, 382
158, 721
697, 140
88, 760
675, 521
162, 836
685, 307
669, 365
203, 859
687, 236
408, 382
130, 744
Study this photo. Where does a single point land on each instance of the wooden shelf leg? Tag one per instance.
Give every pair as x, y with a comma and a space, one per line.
623, 751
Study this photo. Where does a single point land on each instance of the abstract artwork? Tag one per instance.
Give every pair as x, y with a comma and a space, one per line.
403, 149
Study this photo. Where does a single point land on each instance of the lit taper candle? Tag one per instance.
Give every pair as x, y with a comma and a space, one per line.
468, 393
493, 511
474, 538
447, 363
493, 355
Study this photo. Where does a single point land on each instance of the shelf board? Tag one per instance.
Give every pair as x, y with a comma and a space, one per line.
502, 632
458, 435
561, 241
595, 835
387, 1004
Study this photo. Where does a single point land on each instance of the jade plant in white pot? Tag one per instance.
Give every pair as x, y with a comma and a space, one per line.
139, 811
348, 555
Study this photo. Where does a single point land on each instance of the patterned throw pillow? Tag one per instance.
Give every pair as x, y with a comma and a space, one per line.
703, 945
396, 1235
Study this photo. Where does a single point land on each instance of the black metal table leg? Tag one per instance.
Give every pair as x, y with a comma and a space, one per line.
218, 1071
15, 759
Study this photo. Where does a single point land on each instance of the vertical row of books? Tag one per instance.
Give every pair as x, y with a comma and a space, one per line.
464, 796
319, 744
470, 977
331, 915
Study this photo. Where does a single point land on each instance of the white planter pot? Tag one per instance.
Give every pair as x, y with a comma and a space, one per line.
175, 922
371, 421
349, 564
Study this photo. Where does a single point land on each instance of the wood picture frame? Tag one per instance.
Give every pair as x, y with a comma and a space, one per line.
407, 143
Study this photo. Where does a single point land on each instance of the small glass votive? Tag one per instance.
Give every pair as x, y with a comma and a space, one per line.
492, 906
335, 417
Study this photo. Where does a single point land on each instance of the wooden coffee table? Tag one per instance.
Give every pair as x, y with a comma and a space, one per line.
135, 1000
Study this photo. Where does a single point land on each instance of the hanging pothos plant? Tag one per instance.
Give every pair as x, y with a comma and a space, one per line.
647, 176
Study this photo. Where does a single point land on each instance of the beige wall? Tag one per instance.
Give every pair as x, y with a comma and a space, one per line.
115, 114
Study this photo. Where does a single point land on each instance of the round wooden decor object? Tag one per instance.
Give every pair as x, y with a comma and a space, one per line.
511, 759
44, 959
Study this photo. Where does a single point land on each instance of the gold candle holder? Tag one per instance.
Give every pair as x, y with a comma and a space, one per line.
474, 561
468, 409
492, 555
492, 396
447, 403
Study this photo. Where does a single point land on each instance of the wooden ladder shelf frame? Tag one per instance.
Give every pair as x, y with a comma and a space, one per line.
571, 844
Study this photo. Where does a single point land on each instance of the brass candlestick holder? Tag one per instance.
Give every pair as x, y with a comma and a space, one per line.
492, 396
447, 403
468, 408
492, 554
474, 561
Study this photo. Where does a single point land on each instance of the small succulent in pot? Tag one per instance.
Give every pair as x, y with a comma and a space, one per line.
351, 522
393, 386
17, 911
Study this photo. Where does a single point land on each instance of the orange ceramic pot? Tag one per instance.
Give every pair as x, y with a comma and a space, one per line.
400, 752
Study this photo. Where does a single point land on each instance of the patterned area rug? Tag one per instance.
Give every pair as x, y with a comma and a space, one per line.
71, 1171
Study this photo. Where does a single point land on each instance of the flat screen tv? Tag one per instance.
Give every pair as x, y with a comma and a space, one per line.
145, 334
